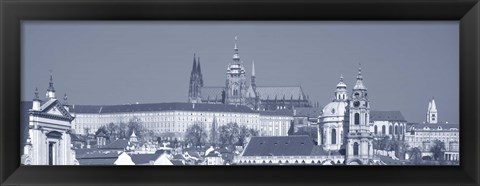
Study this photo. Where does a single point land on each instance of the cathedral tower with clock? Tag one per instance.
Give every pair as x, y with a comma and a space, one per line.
344, 124
359, 148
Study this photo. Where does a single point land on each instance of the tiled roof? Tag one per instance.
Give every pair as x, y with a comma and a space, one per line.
177, 162
319, 151
117, 144
104, 161
144, 158
279, 146
81, 152
265, 92
280, 91
91, 109
146, 107
209, 93
386, 116
310, 112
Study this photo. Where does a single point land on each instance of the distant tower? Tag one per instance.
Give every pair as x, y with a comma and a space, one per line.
432, 115
51, 90
341, 91
235, 85
196, 82
359, 137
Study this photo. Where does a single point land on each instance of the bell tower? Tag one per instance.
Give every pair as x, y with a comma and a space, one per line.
236, 82
359, 138
432, 114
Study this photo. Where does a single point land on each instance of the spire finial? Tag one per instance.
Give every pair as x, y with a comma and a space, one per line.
236, 47
236, 57
36, 93
50, 86
341, 77
253, 67
359, 76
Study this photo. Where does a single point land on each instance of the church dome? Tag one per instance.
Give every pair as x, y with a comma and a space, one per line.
334, 109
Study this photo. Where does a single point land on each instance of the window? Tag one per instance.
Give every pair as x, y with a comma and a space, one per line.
355, 149
334, 136
375, 129
383, 129
366, 116
396, 129
357, 118
390, 129
51, 154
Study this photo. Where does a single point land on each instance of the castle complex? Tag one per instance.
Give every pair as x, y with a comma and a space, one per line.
238, 91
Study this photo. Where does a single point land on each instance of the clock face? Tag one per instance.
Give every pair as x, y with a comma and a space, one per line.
356, 103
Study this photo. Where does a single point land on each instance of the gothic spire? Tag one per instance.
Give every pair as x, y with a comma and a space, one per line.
236, 57
199, 71
194, 67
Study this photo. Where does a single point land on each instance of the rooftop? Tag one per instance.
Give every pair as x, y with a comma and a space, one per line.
152, 107
386, 116
300, 145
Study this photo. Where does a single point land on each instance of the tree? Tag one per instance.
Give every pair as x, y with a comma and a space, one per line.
195, 135
245, 134
229, 134
291, 130
309, 131
214, 133
438, 149
415, 156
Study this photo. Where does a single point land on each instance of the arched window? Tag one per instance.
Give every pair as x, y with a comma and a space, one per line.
390, 130
383, 129
357, 118
401, 129
334, 136
375, 129
366, 123
396, 129
355, 148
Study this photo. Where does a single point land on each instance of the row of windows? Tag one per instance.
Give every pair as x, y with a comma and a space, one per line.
391, 130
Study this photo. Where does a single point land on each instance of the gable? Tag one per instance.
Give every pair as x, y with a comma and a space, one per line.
53, 107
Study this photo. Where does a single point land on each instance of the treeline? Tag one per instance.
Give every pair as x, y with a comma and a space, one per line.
229, 135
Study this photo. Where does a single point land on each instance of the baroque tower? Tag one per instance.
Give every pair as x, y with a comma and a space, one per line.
432, 115
196, 82
235, 84
359, 138
333, 122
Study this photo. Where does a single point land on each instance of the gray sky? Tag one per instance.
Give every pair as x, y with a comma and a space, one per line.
404, 64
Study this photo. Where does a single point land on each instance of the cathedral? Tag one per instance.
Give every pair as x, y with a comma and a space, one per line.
344, 124
238, 91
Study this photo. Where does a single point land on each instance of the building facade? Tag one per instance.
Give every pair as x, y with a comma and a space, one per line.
175, 118
423, 135
47, 126
238, 91
389, 124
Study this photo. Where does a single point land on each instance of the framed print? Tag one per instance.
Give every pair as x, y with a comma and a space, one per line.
239, 92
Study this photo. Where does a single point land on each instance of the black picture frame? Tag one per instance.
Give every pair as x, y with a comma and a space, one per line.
14, 11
